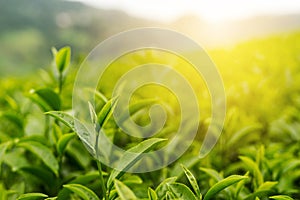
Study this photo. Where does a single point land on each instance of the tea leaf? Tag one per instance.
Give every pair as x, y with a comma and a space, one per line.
181, 191
290, 165
123, 191
100, 96
32, 196
170, 196
162, 188
252, 166
46, 98
79, 179
106, 112
281, 197
43, 152
15, 159
152, 194
14, 118
263, 189
93, 114
242, 133
240, 185
267, 185
212, 173
221, 185
131, 156
132, 179
63, 142
62, 58
80, 129
41, 173
82, 191
192, 181
56, 133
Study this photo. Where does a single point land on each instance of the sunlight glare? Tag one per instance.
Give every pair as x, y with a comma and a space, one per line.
212, 11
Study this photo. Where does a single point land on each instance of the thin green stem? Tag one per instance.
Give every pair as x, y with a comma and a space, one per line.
102, 180
100, 169
60, 82
47, 126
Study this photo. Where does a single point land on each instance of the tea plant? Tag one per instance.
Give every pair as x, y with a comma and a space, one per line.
47, 153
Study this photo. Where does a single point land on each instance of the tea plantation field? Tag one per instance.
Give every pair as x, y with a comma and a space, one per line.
257, 157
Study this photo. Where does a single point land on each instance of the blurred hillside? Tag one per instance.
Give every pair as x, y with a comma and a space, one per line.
29, 28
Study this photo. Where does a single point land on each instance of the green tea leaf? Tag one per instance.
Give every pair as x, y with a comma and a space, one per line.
15, 159
281, 197
267, 185
162, 188
181, 191
83, 133
263, 189
41, 173
221, 185
93, 115
152, 194
12, 102
240, 185
290, 165
123, 191
253, 168
242, 133
212, 173
83, 179
62, 59
192, 181
18, 187
32, 196
82, 191
106, 112
132, 179
131, 156
101, 96
43, 152
40, 102
78, 152
170, 196
46, 98
56, 133
114, 195
260, 156
14, 118
63, 142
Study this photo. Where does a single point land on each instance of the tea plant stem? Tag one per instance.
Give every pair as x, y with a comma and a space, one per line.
60, 82
47, 126
99, 167
101, 179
